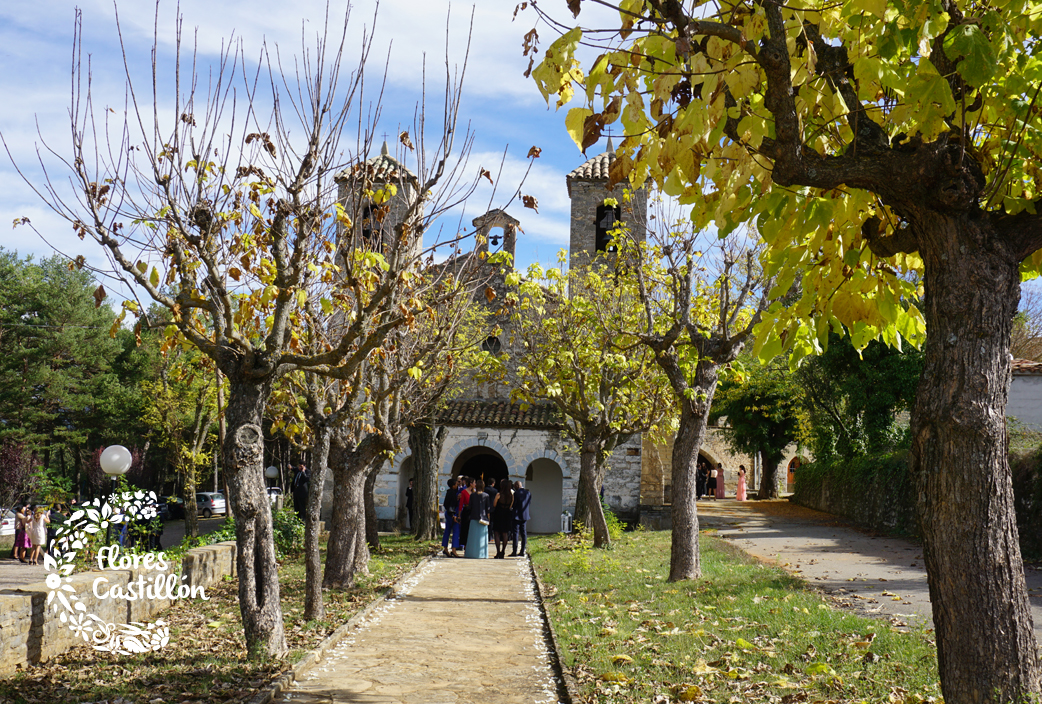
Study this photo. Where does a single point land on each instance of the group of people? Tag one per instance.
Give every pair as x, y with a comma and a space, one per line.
474, 511
710, 482
32, 532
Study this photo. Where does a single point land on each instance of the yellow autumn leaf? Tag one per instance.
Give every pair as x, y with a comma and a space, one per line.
689, 694
622, 659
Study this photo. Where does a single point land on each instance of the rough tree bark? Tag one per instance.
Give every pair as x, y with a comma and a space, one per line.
314, 607
426, 444
769, 475
960, 465
347, 552
588, 507
255, 546
685, 560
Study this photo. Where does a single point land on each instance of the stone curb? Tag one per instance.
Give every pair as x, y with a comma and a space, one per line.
285, 681
567, 688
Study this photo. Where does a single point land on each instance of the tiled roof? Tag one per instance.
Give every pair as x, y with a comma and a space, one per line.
595, 168
379, 169
1026, 366
499, 414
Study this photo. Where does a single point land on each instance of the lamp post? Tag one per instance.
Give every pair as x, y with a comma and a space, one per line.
115, 461
272, 472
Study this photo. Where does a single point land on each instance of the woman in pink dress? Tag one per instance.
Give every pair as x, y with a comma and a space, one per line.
740, 492
720, 487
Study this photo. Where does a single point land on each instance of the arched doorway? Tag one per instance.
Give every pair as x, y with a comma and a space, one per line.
546, 482
481, 463
790, 479
405, 473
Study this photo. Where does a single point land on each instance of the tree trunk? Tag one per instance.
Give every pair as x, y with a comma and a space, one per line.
768, 476
187, 471
346, 550
588, 508
684, 558
314, 608
254, 541
426, 444
372, 529
986, 649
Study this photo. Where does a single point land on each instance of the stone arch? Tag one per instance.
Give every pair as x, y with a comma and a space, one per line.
547, 486
516, 472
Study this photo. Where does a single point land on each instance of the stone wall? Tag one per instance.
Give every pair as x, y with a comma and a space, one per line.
31, 633
881, 500
519, 448
586, 196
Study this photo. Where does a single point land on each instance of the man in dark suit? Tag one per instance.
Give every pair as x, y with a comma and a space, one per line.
522, 514
301, 488
408, 507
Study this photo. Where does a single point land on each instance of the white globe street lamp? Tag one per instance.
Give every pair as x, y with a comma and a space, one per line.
271, 472
115, 461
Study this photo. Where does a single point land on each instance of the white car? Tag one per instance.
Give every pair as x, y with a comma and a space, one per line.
274, 493
209, 503
7, 523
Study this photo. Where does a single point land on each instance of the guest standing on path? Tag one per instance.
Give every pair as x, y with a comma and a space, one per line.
721, 488
301, 486
451, 503
477, 539
701, 480
711, 483
22, 544
522, 514
490, 489
37, 530
740, 491
465, 494
408, 506
503, 517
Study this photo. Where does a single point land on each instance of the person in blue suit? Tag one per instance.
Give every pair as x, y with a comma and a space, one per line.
522, 514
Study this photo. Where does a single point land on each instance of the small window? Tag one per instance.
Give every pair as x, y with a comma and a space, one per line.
608, 218
370, 227
492, 345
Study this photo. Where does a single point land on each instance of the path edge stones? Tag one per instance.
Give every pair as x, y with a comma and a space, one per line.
567, 686
314, 657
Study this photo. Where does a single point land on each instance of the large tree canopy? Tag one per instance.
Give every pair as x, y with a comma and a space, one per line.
867, 140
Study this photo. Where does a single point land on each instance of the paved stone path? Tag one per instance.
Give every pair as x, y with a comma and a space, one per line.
457, 632
875, 575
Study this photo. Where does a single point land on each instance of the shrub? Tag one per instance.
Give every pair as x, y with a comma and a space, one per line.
289, 532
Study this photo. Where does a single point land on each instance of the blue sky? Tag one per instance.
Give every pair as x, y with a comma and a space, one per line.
503, 108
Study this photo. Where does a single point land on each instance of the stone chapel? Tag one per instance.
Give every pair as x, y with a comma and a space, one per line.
487, 435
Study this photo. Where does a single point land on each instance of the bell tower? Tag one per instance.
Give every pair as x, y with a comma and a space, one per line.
376, 196
592, 220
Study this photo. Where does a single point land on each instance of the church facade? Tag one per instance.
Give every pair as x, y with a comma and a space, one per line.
488, 436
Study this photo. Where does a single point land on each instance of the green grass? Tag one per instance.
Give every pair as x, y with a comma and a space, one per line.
744, 632
205, 660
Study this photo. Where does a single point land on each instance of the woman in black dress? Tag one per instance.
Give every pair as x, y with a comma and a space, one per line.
503, 517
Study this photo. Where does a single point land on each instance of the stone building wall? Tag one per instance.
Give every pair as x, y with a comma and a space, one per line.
586, 197
519, 448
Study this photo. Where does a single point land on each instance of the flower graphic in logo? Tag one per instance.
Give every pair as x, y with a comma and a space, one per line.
95, 517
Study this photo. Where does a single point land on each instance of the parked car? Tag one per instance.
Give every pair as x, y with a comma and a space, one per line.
209, 503
171, 507
274, 493
7, 523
